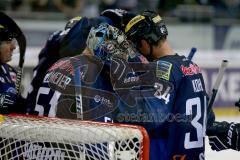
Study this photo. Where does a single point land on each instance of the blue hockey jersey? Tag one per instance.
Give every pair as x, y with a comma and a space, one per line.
7, 78
64, 43
174, 116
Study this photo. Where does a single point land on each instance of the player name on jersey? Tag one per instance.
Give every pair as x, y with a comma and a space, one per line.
57, 78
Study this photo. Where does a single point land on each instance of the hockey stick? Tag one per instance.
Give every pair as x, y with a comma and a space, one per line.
237, 104
21, 39
191, 54
217, 83
78, 94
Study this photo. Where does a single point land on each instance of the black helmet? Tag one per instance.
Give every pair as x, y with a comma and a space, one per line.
5, 34
149, 26
119, 17
72, 22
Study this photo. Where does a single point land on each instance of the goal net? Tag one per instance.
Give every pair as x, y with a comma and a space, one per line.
38, 138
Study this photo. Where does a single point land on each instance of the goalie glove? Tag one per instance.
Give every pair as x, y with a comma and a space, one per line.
224, 135
7, 101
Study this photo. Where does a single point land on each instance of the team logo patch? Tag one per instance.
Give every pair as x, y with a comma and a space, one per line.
163, 70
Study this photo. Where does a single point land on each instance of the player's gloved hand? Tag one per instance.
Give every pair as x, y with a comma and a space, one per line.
7, 101
223, 135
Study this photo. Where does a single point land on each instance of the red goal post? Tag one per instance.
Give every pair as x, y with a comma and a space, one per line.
40, 138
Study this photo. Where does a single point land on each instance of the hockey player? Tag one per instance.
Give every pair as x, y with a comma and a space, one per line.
69, 42
8, 94
8, 74
84, 72
177, 126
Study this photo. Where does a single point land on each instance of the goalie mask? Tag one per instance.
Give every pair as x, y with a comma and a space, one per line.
107, 42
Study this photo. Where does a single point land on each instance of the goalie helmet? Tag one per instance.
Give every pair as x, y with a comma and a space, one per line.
5, 34
149, 26
72, 22
119, 17
106, 42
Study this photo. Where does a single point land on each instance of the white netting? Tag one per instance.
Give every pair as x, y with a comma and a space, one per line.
25, 138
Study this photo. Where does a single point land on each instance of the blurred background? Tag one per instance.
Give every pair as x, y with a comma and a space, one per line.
212, 26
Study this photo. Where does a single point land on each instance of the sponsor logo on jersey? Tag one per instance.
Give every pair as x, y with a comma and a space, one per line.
131, 79
197, 85
103, 100
63, 65
191, 70
163, 70
13, 76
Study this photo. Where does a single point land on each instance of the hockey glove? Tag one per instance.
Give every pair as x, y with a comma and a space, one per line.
223, 135
7, 101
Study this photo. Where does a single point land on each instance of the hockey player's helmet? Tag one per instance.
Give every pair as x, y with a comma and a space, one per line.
119, 17
5, 34
72, 22
148, 25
